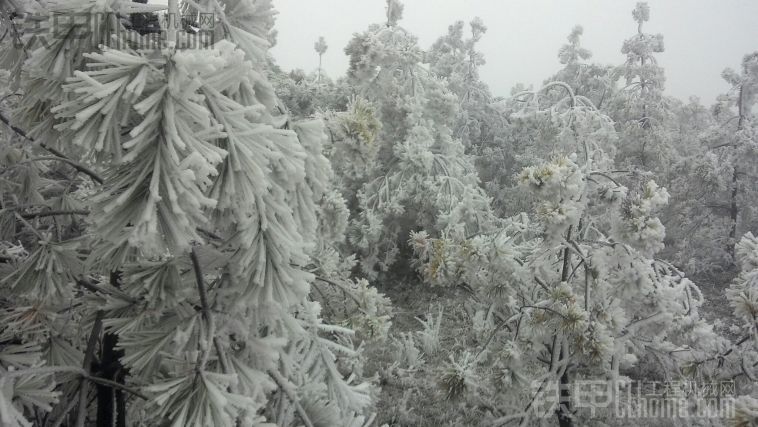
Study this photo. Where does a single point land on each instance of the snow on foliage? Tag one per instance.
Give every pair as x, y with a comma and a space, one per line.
190, 235
196, 256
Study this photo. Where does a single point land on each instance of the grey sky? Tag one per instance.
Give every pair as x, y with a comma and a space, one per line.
702, 37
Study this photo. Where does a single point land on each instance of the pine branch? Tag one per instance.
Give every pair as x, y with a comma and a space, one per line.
82, 372
29, 226
89, 355
324, 299
340, 286
94, 288
548, 309
221, 356
69, 406
200, 284
604, 175
210, 234
30, 215
207, 314
282, 383
115, 385
58, 155
18, 131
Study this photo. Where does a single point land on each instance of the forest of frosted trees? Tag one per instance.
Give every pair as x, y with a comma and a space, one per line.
191, 235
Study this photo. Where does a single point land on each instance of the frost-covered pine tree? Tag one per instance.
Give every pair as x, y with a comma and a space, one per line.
525, 133
538, 126
711, 179
353, 147
740, 361
305, 95
734, 137
574, 294
695, 219
309, 94
320, 46
421, 178
457, 60
160, 218
640, 109
590, 80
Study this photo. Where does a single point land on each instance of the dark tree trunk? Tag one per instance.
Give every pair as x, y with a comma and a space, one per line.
111, 404
564, 407
105, 395
120, 402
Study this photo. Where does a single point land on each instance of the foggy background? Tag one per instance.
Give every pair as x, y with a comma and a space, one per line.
701, 37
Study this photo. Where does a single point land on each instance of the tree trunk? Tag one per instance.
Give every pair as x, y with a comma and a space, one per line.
733, 213
319, 67
105, 395
734, 209
564, 405
564, 402
111, 404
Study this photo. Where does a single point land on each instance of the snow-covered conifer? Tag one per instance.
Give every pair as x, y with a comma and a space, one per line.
555, 287
640, 108
184, 295
421, 178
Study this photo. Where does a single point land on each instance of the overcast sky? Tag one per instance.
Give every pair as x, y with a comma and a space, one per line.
702, 37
